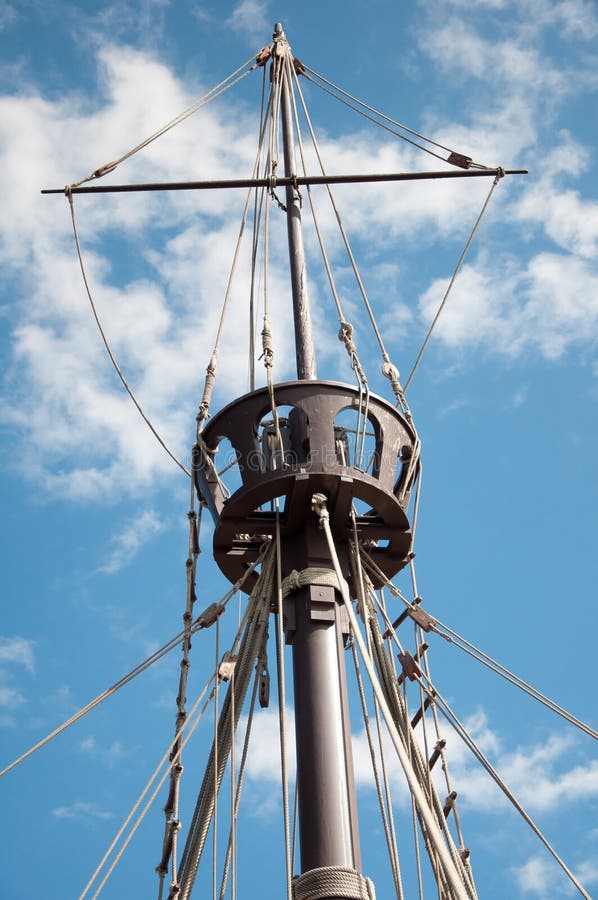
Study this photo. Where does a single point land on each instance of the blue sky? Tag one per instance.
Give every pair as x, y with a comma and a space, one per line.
94, 529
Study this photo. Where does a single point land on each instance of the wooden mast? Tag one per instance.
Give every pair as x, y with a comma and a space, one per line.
327, 803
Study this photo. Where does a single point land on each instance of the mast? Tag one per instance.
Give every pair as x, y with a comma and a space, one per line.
298, 471
304, 345
290, 465
328, 826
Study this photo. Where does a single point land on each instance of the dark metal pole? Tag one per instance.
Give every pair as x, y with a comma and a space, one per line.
225, 183
328, 825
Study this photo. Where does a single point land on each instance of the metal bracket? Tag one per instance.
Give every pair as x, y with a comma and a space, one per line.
321, 603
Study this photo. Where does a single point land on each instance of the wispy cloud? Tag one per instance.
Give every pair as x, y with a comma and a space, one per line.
251, 19
541, 776
163, 319
109, 756
11, 698
17, 650
549, 306
263, 767
534, 877
14, 652
129, 540
80, 810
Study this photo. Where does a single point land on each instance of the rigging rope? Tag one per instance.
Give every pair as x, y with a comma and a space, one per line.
125, 384
385, 810
190, 724
171, 808
398, 705
345, 334
452, 637
214, 92
242, 765
483, 760
431, 824
499, 175
389, 370
282, 721
203, 621
332, 881
436, 698
453, 153
204, 406
254, 625
257, 214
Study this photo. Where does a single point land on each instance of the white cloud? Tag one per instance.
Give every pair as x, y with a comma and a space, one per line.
161, 322
109, 756
8, 15
459, 47
17, 650
587, 872
80, 810
69, 396
252, 19
534, 877
263, 758
573, 18
541, 776
129, 540
549, 306
570, 221
11, 698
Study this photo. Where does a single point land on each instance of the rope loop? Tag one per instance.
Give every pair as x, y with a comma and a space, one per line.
318, 505
345, 335
332, 881
390, 371
296, 580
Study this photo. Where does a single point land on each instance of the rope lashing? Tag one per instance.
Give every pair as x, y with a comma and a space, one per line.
390, 371
267, 344
204, 407
345, 335
332, 881
295, 580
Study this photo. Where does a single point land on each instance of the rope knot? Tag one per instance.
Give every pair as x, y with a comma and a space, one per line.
293, 581
390, 371
345, 335
318, 505
267, 345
